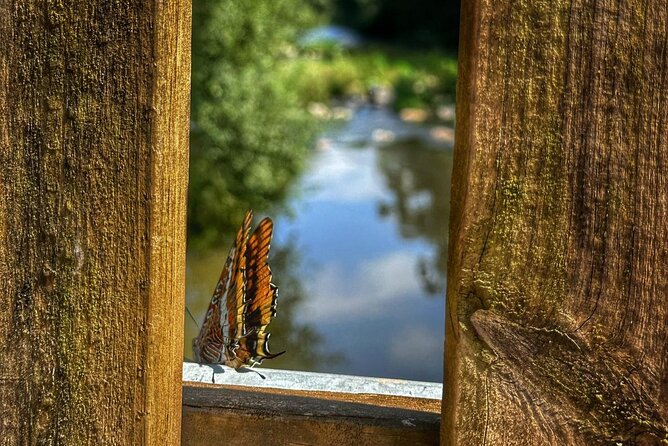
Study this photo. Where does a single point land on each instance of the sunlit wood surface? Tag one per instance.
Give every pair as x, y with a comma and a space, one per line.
557, 327
94, 105
214, 414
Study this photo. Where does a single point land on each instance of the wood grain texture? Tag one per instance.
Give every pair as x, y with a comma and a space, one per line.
94, 119
557, 324
238, 416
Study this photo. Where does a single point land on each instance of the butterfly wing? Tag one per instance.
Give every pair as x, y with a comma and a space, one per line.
261, 295
235, 298
225, 313
209, 343
243, 303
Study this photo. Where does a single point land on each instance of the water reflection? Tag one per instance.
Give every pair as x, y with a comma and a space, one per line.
371, 223
361, 257
419, 179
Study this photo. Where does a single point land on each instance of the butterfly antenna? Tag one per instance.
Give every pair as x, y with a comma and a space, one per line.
191, 316
196, 324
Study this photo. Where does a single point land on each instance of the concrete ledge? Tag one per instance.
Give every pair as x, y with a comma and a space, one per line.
309, 381
215, 414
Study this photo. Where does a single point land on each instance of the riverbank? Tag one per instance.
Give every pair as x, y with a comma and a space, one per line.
393, 76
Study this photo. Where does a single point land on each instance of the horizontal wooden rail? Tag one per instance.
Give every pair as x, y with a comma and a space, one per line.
277, 410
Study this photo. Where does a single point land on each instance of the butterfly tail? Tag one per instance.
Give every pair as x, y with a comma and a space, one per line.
254, 347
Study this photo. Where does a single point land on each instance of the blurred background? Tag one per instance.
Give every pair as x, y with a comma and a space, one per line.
335, 118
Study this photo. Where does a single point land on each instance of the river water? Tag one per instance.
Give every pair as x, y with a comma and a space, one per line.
360, 258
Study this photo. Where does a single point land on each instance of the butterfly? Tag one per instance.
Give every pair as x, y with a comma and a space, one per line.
244, 302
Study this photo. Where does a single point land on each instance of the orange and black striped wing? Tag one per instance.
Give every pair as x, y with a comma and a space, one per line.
208, 345
261, 296
235, 297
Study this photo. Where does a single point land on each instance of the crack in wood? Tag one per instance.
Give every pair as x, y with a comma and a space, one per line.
570, 376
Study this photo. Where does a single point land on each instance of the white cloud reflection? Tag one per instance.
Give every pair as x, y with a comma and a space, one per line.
372, 289
345, 175
416, 345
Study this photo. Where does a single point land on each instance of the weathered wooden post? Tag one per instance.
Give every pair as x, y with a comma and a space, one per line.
94, 105
557, 329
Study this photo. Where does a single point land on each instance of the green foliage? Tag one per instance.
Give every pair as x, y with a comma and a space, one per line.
250, 131
419, 79
249, 137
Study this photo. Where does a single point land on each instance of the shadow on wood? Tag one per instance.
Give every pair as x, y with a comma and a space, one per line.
229, 415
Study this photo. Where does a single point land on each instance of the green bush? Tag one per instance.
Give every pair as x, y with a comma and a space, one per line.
419, 79
249, 136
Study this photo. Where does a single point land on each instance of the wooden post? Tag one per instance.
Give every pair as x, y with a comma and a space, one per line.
557, 324
94, 106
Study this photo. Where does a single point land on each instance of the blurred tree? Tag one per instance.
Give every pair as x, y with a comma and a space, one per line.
323, 8
423, 22
249, 137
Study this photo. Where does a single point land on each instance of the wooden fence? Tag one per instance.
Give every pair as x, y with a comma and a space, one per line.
94, 100
557, 321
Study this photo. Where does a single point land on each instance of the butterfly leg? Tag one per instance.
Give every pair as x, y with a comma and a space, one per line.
253, 365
